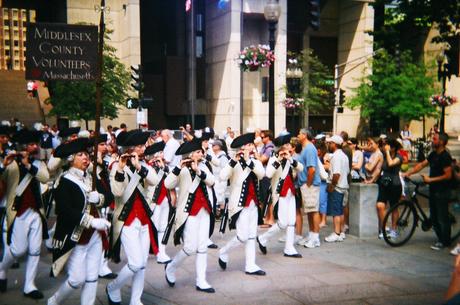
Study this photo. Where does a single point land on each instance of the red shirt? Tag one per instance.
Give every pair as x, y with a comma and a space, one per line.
252, 195
137, 211
163, 193
200, 202
287, 185
28, 201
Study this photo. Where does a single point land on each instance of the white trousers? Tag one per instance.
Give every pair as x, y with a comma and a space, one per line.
286, 220
26, 238
104, 268
160, 220
195, 237
135, 239
246, 233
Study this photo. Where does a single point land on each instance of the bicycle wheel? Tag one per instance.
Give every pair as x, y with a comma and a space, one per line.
405, 219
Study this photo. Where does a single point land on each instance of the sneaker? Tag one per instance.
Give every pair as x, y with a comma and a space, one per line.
380, 235
455, 251
333, 238
393, 234
346, 228
312, 243
437, 246
343, 236
282, 239
297, 238
303, 241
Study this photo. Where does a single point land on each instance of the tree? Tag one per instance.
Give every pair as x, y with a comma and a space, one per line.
398, 88
77, 99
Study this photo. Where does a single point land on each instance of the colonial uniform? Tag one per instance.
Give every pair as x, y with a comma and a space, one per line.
161, 201
282, 178
194, 221
243, 205
26, 226
80, 232
132, 225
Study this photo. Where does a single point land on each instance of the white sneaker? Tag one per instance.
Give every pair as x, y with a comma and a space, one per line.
312, 243
333, 237
343, 236
282, 239
297, 238
393, 234
303, 241
380, 235
455, 251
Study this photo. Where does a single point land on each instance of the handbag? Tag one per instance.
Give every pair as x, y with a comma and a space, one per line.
385, 181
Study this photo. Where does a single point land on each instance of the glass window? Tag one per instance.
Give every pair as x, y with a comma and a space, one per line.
6, 23
7, 42
16, 53
16, 43
7, 52
15, 23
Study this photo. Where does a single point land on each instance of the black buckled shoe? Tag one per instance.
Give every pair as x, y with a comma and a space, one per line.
109, 276
213, 246
171, 284
207, 290
297, 255
109, 299
258, 272
222, 264
3, 284
262, 248
34, 294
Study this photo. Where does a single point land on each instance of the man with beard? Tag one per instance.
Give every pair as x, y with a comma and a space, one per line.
194, 222
80, 230
440, 163
244, 172
132, 225
25, 216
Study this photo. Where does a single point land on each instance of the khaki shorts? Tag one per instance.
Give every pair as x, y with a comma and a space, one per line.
310, 198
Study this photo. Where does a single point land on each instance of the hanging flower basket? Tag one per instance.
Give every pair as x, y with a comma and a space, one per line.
253, 58
293, 103
442, 101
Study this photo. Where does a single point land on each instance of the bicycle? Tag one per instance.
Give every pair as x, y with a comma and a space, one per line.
409, 213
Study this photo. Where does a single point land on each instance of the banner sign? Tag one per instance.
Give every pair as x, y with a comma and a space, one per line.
57, 51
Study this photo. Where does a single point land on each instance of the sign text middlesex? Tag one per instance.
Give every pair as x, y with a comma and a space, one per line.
61, 52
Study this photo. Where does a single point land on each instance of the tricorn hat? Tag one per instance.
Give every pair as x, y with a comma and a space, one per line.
25, 136
281, 140
69, 131
152, 149
188, 147
243, 139
132, 138
69, 148
5, 130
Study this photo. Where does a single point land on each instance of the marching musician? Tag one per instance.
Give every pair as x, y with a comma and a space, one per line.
81, 233
26, 226
194, 221
244, 172
132, 225
281, 169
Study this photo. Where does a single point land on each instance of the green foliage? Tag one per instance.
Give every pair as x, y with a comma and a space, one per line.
77, 99
395, 88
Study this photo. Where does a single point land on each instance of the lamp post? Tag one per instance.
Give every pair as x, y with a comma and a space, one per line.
443, 74
272, 11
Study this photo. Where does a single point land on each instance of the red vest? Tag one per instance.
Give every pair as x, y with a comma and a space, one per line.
137, 211
252, 195
163, 193
200, 202
287, 185
28, 201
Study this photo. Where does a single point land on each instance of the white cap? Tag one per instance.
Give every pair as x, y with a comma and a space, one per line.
336, 139
383, 136
320, 136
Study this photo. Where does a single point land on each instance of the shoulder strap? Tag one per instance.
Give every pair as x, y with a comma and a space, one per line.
26, 180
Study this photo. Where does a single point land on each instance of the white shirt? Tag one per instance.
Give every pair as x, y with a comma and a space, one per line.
340, 165
169, 153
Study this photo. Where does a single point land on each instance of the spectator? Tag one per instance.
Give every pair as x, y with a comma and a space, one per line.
46, 143
324, 159
406, 137
390, 187
374, 166
264, 155
170, 148
220, 186
338, 184
228, 141
347, 150
357, 173
258, 140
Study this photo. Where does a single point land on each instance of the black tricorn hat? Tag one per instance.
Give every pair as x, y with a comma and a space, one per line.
281, 140
100, 139
188, 147
243, 139
69, 148
5, 130
132, 138
152, 149
69, 131
206, 136
27, 136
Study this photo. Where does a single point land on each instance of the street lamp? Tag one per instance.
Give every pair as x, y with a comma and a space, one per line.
272, 12
443, 74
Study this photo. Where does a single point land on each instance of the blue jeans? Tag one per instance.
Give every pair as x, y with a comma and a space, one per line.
335, 203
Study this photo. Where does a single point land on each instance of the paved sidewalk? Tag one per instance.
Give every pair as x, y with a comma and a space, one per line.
355, 271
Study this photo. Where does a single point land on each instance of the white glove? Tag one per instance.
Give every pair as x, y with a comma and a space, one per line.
93, 197
100, 224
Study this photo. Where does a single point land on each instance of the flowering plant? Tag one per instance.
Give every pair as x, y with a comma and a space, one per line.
254, 57
439, 100
293, 103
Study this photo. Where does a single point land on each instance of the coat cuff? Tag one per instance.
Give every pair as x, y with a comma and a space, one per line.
119, 177
250, 164
294, 163
166, 169
176, 171
276, 164
202, 175
143, 172
209, 158
33, 170
86, 220
232, 163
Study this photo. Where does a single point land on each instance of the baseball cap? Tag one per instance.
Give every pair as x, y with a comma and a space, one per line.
336, 139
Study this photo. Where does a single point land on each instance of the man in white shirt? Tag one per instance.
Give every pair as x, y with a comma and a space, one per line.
171, 147
337, 185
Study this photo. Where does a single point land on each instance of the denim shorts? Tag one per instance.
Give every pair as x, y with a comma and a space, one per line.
323, 197
335, 204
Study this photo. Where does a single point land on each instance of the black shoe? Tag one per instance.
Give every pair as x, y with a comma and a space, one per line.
263, 249
258, 272
213, 246
171, 284
109, 276
3, 284
34, 294
222, 264
108, 297
207, 290
165, 262
15, 265
297, 255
